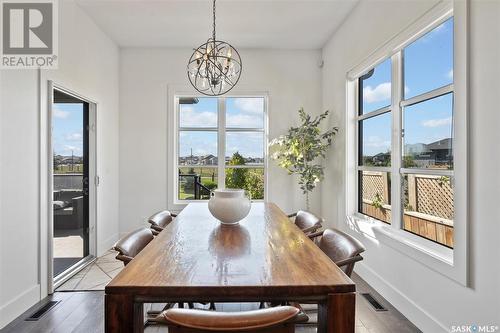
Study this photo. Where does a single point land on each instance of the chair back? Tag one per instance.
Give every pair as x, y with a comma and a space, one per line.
133, 243
343, 249
160, 219
307, 222
271, 320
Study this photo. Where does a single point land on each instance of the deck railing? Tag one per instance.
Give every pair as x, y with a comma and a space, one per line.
68, 181
192, 182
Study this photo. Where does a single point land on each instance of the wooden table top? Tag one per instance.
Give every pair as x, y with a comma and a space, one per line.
266, 255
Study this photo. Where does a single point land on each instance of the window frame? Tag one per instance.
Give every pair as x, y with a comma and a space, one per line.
174, 203
449, 262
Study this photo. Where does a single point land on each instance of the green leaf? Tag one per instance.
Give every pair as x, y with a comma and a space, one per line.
301, 148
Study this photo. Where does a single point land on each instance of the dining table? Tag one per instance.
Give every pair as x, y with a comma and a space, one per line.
263, 258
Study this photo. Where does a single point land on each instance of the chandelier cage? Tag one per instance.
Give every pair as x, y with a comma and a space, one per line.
215, 66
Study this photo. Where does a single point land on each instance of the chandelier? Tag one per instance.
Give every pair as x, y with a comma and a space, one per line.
215, 66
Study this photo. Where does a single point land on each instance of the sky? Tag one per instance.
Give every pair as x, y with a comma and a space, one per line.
67, 124
428, 64
240, 113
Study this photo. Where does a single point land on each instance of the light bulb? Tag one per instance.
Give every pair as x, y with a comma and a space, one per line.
229, 53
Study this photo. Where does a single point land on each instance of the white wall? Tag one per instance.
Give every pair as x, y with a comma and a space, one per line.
19, 215
429, 299
292, 78
88, 64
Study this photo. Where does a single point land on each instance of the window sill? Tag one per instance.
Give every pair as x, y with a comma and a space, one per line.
437, 257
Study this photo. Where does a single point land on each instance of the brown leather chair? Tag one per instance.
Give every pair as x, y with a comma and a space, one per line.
272, 320
343, 249
160, 220
307, 221
133, 243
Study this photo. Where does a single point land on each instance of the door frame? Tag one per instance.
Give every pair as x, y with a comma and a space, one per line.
93, 182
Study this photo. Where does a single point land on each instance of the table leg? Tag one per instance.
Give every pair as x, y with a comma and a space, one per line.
337, 313
122, 315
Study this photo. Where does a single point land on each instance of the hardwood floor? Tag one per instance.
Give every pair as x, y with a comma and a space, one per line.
83, 312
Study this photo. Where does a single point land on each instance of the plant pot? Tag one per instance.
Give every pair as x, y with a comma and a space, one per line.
229, 206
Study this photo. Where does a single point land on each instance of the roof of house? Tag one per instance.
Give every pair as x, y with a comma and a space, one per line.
441, 144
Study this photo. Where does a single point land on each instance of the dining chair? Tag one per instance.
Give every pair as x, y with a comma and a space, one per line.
309, 224
133, 243
271, 320
343, 249
307, 221
160, 220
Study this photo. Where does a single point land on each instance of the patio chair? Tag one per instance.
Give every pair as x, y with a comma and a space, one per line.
272, 320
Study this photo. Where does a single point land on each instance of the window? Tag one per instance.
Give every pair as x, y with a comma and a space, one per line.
221, 144
405, 120
375, 135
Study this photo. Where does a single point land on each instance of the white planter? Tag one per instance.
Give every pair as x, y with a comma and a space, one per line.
229, 206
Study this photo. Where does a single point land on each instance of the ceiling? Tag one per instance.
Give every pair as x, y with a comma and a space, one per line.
278, 24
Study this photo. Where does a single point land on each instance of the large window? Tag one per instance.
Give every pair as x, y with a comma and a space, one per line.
221, 144
405, 137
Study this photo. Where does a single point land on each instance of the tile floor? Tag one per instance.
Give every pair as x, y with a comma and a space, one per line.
96, 275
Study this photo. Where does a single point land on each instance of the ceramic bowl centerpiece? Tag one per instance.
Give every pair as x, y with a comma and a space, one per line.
229, 206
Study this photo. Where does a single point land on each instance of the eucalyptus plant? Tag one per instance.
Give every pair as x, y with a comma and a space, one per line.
300, 151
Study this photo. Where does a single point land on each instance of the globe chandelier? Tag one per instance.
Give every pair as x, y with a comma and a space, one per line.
215, 66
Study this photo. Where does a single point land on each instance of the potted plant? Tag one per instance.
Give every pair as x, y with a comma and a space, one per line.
301, 150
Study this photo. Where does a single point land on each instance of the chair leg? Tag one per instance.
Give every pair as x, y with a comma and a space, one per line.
302, 316
153, 319
155, 313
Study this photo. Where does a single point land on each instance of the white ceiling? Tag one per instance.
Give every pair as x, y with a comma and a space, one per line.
278, 24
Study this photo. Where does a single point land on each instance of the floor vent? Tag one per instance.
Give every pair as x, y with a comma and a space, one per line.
43, 310
376, 305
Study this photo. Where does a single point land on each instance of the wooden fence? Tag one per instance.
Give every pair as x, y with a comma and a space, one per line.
428, 204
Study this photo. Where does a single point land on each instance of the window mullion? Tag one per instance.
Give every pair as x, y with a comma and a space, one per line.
396, 155
221, 142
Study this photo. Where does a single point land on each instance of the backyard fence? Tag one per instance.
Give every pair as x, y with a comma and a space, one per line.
428, 204
432, 195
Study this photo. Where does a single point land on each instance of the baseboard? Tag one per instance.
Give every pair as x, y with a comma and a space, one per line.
106, 244
418, 316
15, 307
